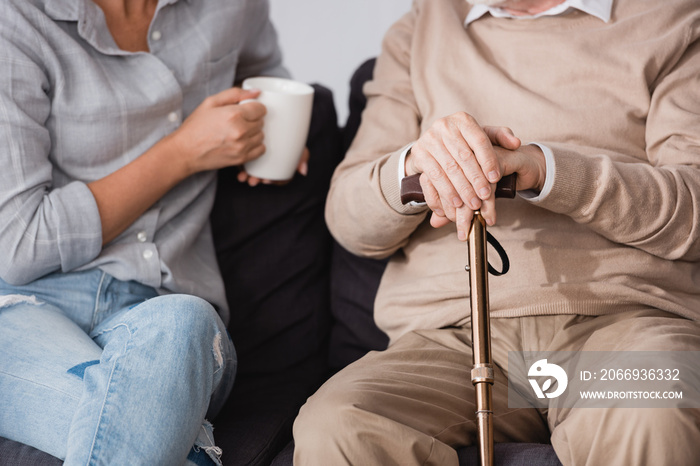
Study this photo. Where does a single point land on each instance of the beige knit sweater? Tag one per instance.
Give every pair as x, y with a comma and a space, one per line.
619, 105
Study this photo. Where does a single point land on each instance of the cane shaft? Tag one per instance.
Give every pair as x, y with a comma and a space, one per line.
484, 423
482, 373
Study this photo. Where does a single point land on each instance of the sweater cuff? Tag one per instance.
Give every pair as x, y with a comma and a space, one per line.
571, 192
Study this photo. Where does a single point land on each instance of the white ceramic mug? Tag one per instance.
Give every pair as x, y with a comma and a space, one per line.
286, 126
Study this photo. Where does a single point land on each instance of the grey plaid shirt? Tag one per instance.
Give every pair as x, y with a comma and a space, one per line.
74, 108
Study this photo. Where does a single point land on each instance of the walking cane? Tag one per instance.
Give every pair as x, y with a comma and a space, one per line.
478, 268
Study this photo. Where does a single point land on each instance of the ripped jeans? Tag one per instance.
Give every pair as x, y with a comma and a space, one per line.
97, 370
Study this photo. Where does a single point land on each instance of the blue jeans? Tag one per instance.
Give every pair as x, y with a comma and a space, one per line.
93, 369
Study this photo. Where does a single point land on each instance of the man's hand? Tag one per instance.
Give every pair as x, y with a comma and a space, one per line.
461, 162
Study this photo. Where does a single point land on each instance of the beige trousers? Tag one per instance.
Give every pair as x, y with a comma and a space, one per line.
414, 402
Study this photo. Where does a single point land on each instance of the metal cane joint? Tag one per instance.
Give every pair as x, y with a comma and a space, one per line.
482, 373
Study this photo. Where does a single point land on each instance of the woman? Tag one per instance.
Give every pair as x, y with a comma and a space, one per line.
113, 116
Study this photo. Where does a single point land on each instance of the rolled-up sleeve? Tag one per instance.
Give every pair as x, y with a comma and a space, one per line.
45, 227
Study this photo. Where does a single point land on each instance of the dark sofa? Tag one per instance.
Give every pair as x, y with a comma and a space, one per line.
301, 304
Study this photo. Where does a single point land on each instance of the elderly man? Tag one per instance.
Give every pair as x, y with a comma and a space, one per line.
604, 237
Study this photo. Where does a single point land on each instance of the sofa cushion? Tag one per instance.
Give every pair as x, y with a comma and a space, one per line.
505, 454
354, 283
512, 454
274, 252
354, 280
256, 423
17, 454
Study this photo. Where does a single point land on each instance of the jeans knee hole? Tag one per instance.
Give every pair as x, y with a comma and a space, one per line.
218, 350
12, 299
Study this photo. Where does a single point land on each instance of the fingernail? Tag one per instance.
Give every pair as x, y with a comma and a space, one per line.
461, 235
493, 176
475, 203
439, 212
304, 169
457, 202
484, 193
490, 222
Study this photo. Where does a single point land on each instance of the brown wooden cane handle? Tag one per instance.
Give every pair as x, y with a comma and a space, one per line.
505, 187
411, 190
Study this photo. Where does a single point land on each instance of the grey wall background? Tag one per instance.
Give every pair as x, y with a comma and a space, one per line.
324, 41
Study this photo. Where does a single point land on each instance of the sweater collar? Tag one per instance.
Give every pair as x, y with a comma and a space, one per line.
599, 8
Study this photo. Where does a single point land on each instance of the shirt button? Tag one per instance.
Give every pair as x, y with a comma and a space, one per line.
172, 117
142, 236
147, 254
156, 35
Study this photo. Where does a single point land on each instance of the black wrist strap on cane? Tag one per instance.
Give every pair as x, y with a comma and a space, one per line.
501, 252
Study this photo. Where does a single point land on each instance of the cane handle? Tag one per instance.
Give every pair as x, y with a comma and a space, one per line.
411, 190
